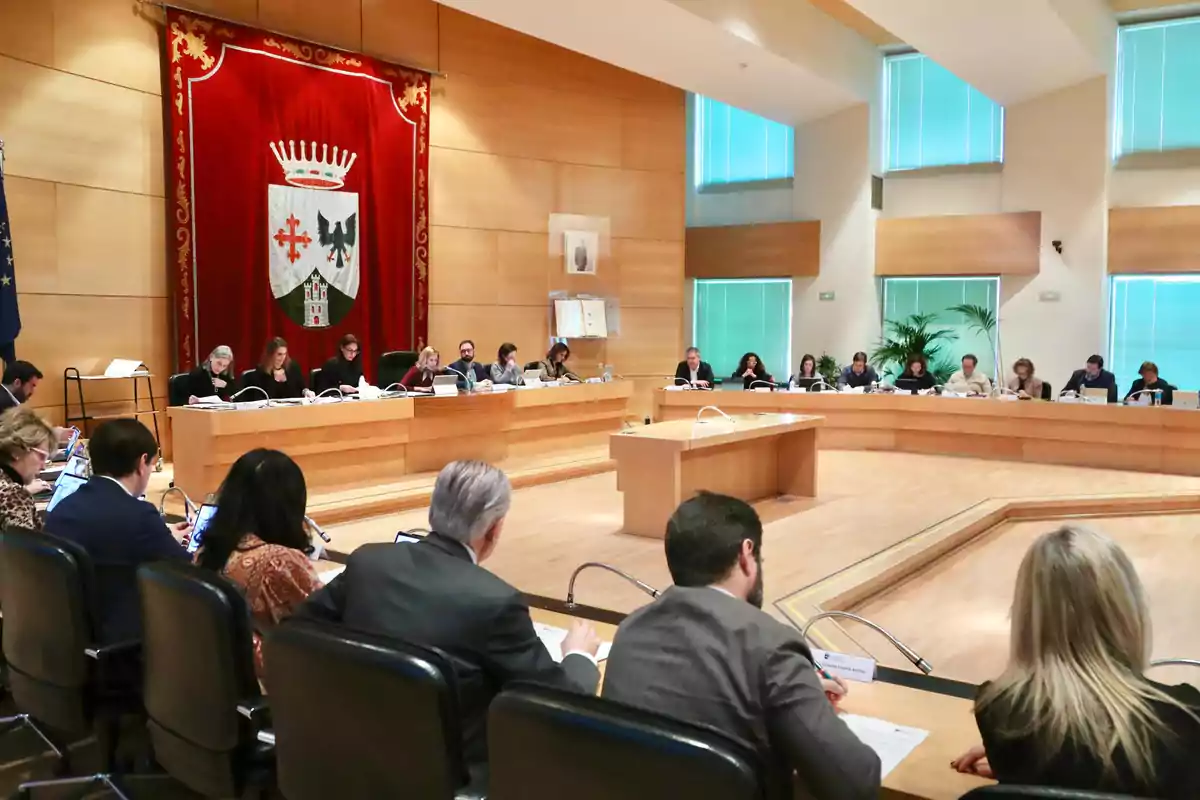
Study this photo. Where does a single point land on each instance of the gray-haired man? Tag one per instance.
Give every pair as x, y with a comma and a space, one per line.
434, 594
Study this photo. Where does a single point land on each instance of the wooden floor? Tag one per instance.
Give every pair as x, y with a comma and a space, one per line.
964, 598
866, 502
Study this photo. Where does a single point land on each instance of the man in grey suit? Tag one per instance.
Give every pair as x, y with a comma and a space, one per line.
705, 652
435, 594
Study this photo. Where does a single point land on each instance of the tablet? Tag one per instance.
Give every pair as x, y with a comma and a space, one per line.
203, 518
64, 487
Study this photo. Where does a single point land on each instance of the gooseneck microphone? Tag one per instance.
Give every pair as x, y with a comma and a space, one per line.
388, 388
645, 587
259, 389
340, 396
317, 530
904, 649
1175, 662
714, 408
753, 383
189, 508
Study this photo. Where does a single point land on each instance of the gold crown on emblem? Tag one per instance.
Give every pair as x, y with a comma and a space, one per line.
307, 170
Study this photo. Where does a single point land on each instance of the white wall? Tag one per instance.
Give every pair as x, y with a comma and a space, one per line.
1057, 161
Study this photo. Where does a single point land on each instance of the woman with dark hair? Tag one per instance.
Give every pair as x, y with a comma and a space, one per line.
259, 540
213, 378
751, 369
343, 371
506, 369
554, 367
916, 373
1023, 381
276, 374
808, 367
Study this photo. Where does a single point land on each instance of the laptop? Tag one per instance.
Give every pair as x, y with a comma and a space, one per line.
68, 484
807, 384
532, 377
203, 519
66, 452
1184, 398
907, 385
445, 385
1095, 395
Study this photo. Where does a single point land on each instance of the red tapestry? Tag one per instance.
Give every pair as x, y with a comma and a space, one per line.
299, 186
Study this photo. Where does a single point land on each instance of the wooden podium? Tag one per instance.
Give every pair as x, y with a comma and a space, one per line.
750, 456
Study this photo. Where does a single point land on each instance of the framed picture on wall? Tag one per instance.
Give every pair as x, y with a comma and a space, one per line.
581, 251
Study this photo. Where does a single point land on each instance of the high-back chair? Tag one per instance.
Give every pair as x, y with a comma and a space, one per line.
204, 706
59, 675
1011, 792
392, 366
541, 739
387, 724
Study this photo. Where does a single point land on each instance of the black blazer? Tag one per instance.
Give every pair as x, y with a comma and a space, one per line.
1168, 391
760, 374
1024, 761
200, 383
120, 533
1105, 380
337, 371
924, 381
276, 390
432, 594
705, 373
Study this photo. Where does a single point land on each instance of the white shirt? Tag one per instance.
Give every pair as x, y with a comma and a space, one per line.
695, 375
723, 591
124, 488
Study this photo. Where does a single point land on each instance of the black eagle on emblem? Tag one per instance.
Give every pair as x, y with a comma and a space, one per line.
341, 240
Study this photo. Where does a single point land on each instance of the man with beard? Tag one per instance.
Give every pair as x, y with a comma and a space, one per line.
20, 381
705, 652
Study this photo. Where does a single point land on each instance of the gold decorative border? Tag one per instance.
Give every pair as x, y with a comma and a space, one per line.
311, 54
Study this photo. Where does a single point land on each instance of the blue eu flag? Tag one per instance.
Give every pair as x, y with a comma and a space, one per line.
10, 317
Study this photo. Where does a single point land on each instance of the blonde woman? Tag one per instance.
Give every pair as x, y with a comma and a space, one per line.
1073, 709
419, 377
26, 442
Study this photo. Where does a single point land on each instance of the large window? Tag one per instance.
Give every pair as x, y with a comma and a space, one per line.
735, 146
734, 317
1153, 318
904, 297
1158, 82
933, 119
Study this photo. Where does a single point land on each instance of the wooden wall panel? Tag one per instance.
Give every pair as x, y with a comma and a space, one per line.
107, 40
528, 327
338, 24
489, 267
765, 250
110, 243
476, 190
654, 134
968, 244
1161, 239
32, 214
650, 273
639, 204
526, 121
405, 31
245, 11
648, 343
27, 31
68, 129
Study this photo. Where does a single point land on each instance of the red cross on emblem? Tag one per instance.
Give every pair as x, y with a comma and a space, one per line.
291, 239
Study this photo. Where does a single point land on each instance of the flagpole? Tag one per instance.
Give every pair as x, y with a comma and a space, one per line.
1, 158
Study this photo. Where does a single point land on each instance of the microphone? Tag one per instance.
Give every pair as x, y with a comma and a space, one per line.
904, 649
238, 394
1141, 392
1175, 662
821, 382
189, 508
686, 383
645, 587
340, 396
999, 391
767, 383
317, 530
390, 385
462, 375
714, 408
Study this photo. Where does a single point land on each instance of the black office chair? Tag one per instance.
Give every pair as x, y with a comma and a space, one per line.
1047, 391
541, 739
387, 724
532, 365
392, 366
177, 390
204, 706
1010, 792
314, 380
59, 676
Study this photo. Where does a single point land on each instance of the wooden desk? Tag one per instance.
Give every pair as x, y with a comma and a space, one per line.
353, 444
1148, 439
926, 773
752, 456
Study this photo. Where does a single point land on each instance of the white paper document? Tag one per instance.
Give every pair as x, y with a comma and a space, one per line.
553, 636
891, 742
123, 368
326, 575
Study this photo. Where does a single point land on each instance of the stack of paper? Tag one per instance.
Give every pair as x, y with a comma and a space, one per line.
552, 637
892, 743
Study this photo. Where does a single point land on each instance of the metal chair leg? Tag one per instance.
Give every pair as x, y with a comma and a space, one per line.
25, 790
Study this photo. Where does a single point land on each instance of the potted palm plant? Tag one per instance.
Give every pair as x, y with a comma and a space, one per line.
829, 369
905, 338
983, 319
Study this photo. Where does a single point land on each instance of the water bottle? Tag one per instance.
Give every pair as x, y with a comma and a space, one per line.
1158, 397
470, 370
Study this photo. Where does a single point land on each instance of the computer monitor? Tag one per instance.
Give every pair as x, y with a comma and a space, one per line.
911, 385
66, 486
203, 518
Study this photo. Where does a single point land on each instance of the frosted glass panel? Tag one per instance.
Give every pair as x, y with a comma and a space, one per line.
734, 146
1158, 83
733, 317
903, 297
1154, 319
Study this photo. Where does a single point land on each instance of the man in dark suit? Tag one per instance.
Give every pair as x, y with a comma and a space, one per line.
1093, 376
693, 371
705, 652
18, 384
118, 530
435, 594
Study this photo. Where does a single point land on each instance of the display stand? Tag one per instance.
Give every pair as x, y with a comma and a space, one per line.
71, 376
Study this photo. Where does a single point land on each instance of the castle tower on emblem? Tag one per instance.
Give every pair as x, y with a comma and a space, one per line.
316, 302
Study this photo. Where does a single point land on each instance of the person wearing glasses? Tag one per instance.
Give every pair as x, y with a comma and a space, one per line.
467, 365
343, 371
26, 441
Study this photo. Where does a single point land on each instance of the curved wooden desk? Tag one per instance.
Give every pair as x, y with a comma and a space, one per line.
360, 443
1160, 439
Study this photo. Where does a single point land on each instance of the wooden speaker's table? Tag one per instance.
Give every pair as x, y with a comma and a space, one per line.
752, 456
361, 443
